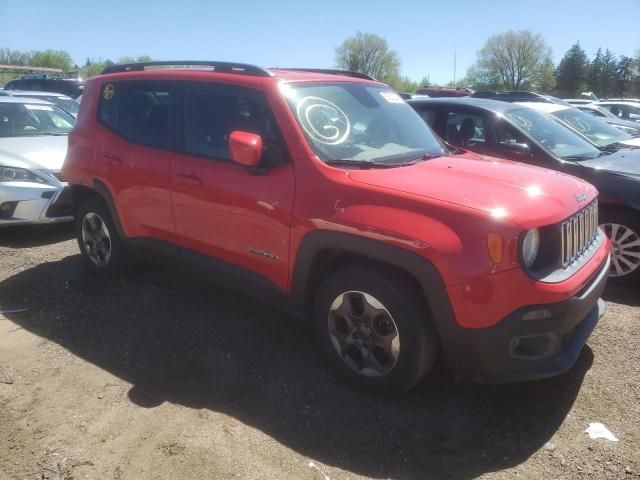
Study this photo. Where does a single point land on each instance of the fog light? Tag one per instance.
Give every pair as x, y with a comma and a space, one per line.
7, 209
533, 347
537, 314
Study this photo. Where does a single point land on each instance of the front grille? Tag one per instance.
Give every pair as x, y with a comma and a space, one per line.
59, 176
578, 233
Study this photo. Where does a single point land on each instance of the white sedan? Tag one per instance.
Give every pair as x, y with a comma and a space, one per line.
33, 145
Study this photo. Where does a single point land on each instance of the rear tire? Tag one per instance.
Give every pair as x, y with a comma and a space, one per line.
623, 229
102, 250
373, 326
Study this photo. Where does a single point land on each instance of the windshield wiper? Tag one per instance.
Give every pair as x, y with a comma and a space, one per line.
362, 164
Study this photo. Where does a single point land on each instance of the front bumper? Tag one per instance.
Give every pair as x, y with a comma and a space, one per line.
24, 203
519, 349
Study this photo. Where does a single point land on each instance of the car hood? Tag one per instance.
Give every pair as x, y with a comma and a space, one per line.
625, 160
632, 142
34, 152
526, 195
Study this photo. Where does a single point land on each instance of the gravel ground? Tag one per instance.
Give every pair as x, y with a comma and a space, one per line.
162, 375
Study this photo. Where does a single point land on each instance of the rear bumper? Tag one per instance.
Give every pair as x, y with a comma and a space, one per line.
533, 342
34, 204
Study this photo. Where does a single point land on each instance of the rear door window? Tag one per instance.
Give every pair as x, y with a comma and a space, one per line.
140, 112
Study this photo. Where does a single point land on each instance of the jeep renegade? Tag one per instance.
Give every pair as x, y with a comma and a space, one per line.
323, 192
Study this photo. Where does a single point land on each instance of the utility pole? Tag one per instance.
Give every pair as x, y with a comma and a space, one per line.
454, 65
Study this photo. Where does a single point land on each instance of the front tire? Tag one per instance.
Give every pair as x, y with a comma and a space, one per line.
102, 250
623, 229
373, 326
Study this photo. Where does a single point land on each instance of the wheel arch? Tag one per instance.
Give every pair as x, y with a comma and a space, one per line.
322, 252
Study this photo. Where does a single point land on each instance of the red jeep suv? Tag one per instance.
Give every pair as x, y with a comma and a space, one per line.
323, 192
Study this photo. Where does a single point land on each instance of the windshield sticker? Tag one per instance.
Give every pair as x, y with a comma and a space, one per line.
323, 121
38, 107
392, 97
108, 91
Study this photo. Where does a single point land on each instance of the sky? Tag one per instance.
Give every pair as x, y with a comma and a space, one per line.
301, 33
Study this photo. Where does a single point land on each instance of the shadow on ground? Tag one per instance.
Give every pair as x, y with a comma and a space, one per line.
27, 236
625, 295
181, 340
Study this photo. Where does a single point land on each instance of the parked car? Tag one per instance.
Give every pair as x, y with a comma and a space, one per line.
66, 103
436, 91
407, 95
33, 145
599, 132
520, 133
519, 96
578, 101
627, 126
71, 87
326, 195
622, 109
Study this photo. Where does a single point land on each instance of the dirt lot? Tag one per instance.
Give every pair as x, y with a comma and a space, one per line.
165, 376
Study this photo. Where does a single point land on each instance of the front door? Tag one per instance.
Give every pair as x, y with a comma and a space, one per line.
222, 209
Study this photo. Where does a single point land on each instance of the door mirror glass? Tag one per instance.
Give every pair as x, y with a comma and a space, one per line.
246, 148
516, 151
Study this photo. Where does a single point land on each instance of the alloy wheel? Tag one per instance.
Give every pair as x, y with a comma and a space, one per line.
625, 249
96, 239
363, 333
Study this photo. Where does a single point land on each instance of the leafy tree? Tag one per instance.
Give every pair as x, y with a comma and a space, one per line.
572, 72
52, 59
511, 60
14, 57
546, 80
368, 53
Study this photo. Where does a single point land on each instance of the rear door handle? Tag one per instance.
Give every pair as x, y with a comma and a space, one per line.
113, 159
188, 178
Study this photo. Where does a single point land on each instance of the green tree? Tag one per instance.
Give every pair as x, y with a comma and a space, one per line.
511, 60
15, 57
624, 75
594, 78
609, 74
572, 72
368, 53
52, 59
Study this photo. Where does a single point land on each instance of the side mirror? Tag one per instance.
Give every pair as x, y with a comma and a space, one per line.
516, 151
246, 148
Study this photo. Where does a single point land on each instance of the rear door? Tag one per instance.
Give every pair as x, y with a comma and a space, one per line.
222, 209
136, 153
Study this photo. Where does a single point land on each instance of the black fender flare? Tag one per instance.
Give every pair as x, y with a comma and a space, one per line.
101, 188
420, 268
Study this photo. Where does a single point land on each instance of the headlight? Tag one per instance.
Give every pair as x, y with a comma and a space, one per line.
12, 174
530, 247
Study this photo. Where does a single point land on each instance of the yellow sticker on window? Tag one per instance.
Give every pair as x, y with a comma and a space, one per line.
108, 91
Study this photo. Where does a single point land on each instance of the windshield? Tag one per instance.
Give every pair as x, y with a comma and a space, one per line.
71, 106
356, 122
26, 119
558, 139
598, 131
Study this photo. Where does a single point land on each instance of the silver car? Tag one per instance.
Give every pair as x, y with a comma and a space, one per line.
66, 103
33, 145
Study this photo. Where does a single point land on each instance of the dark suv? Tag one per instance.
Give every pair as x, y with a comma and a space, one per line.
72, 87
326, 194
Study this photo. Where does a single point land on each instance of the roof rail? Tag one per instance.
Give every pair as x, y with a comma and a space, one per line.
330, 71
224, 67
